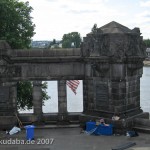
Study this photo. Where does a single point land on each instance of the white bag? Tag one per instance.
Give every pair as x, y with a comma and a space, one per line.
14, 130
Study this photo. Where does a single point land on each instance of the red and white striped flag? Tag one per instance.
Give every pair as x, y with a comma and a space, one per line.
73, 85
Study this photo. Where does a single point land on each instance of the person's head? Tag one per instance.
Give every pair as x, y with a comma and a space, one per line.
101, 120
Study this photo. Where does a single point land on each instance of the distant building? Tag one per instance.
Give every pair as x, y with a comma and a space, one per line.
46, 44
40, 44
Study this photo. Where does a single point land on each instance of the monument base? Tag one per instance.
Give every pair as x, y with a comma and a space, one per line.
119, 126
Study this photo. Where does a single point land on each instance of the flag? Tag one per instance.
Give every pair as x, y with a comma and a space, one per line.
73, 85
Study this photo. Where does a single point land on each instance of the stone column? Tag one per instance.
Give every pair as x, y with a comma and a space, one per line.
37, 100
85, 96
7, 105
88, 94
62, 101
8, 98
13, 96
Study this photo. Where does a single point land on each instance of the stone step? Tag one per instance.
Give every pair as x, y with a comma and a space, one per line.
55, 126
75, 122
141, 122
50, 122
143, 129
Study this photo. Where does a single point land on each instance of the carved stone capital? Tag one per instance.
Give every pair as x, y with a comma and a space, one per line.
114, 40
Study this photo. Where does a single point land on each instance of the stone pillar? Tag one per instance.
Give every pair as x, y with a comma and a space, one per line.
13, 96
85, 96
88, 94
62, 101
37, 100
7, 105
7, 98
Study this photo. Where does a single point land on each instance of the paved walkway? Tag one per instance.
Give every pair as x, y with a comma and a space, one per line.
70, 139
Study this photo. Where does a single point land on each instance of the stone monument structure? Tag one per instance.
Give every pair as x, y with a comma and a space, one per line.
114, 56
110, 63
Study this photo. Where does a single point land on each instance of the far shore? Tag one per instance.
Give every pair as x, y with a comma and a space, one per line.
146, 62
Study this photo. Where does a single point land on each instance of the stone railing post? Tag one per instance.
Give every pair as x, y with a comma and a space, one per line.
88, 94
62, 101
37, 100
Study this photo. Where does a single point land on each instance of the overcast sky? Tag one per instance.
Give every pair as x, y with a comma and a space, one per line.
53, 18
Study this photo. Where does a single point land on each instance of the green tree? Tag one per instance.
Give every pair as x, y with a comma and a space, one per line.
24, 94
147, 43
54, 41
16, 24
72, 39
17, 28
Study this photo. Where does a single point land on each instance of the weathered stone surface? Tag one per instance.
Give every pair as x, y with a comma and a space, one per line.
110, 63
4, 47
37, 100
114, 40
116, 54
7, 122
62, 97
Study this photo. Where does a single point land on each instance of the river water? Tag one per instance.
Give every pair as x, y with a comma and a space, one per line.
75, 102
145, 90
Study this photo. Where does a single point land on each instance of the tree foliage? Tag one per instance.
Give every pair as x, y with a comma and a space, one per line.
53, 44
16, 23
72, 39
17, 28
147, 43
24, 94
